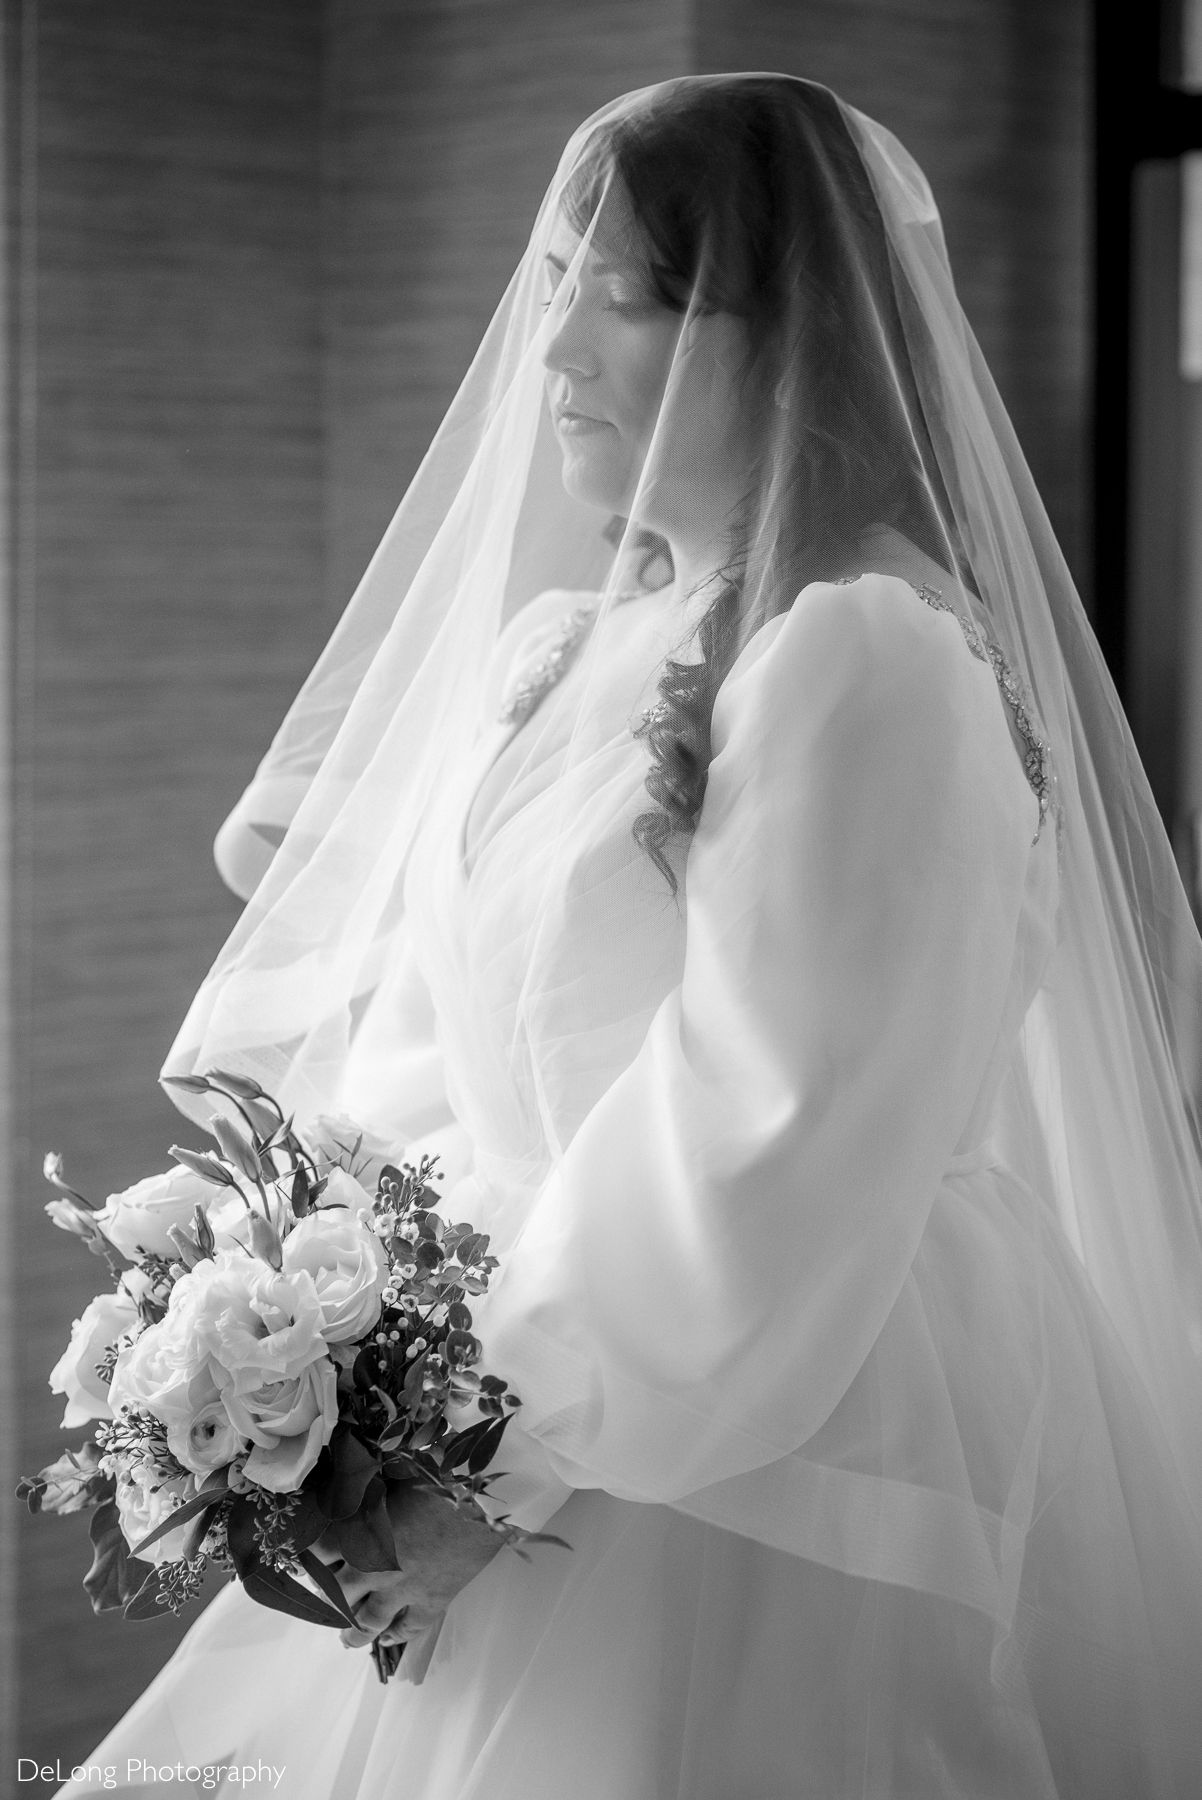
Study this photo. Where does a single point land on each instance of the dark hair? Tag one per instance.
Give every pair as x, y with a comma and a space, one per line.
749, 196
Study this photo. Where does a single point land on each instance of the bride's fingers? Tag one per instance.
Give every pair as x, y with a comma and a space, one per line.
375, 1614
377, 1605
401, 1631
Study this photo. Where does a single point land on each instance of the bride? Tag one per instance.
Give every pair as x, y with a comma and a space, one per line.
712, 830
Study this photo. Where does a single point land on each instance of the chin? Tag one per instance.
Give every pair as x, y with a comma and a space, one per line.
593, 478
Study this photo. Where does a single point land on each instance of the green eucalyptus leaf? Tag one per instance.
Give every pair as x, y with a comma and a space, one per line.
190, 1509
240, 1536
308, 1521
352, 1466
483, 1452
145, 1603
280, 1592
327, 1581
413, 1381
457, 1449
366, 1539
115, 1575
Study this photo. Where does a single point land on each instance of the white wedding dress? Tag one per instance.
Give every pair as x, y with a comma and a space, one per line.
787, 1151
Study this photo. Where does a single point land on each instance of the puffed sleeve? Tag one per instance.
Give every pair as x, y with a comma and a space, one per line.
725, 1237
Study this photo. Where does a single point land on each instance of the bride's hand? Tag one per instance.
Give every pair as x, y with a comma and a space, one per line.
439, 1551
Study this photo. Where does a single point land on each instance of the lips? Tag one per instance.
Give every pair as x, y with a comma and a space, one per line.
578, 424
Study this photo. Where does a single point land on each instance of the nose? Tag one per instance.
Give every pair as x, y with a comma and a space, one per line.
568, 350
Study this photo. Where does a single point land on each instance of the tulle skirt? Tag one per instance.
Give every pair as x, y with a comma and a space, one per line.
664, 1658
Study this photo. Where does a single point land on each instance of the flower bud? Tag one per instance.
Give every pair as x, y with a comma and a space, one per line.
265, 1240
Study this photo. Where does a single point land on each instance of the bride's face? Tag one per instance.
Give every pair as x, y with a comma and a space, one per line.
645, 401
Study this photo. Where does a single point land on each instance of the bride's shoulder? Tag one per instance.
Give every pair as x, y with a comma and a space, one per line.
887, 658
878, 619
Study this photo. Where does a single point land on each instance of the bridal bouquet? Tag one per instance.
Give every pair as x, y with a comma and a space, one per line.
287, 1336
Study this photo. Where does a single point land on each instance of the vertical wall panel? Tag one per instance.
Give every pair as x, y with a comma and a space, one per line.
175, 604
10, 1383
1156, 628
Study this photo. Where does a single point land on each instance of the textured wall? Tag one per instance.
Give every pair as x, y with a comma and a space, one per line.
172, 602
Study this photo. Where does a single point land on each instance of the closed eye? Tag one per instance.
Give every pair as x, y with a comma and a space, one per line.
556, 270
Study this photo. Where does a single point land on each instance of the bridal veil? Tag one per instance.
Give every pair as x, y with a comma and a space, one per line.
822, 298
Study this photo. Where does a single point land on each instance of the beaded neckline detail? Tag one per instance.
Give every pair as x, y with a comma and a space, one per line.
527, 693
1036, 757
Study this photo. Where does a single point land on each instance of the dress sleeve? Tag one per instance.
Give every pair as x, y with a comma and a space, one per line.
725, 1237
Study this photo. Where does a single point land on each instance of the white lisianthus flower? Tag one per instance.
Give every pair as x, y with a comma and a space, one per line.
139, 1218
229, 1216
333, 1139
164, 1371
257, 1324
345, 1196
348, 1267
243, 1339
144, 1499
104, 1320
288, 1422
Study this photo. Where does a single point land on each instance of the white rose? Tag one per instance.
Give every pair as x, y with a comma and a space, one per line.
139, 1218
144, 1499
208, 1440
102, 1322
289, 1422
186, 1399
165, 1371
348, 1267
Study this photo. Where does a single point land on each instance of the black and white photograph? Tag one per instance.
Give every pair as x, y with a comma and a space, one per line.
600, 884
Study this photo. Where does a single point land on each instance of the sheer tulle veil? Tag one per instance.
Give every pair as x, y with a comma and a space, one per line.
1101, 1099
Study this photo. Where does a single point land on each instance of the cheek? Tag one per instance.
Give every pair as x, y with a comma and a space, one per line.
637, 358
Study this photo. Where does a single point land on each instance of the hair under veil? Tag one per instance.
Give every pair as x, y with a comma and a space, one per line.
796, 244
